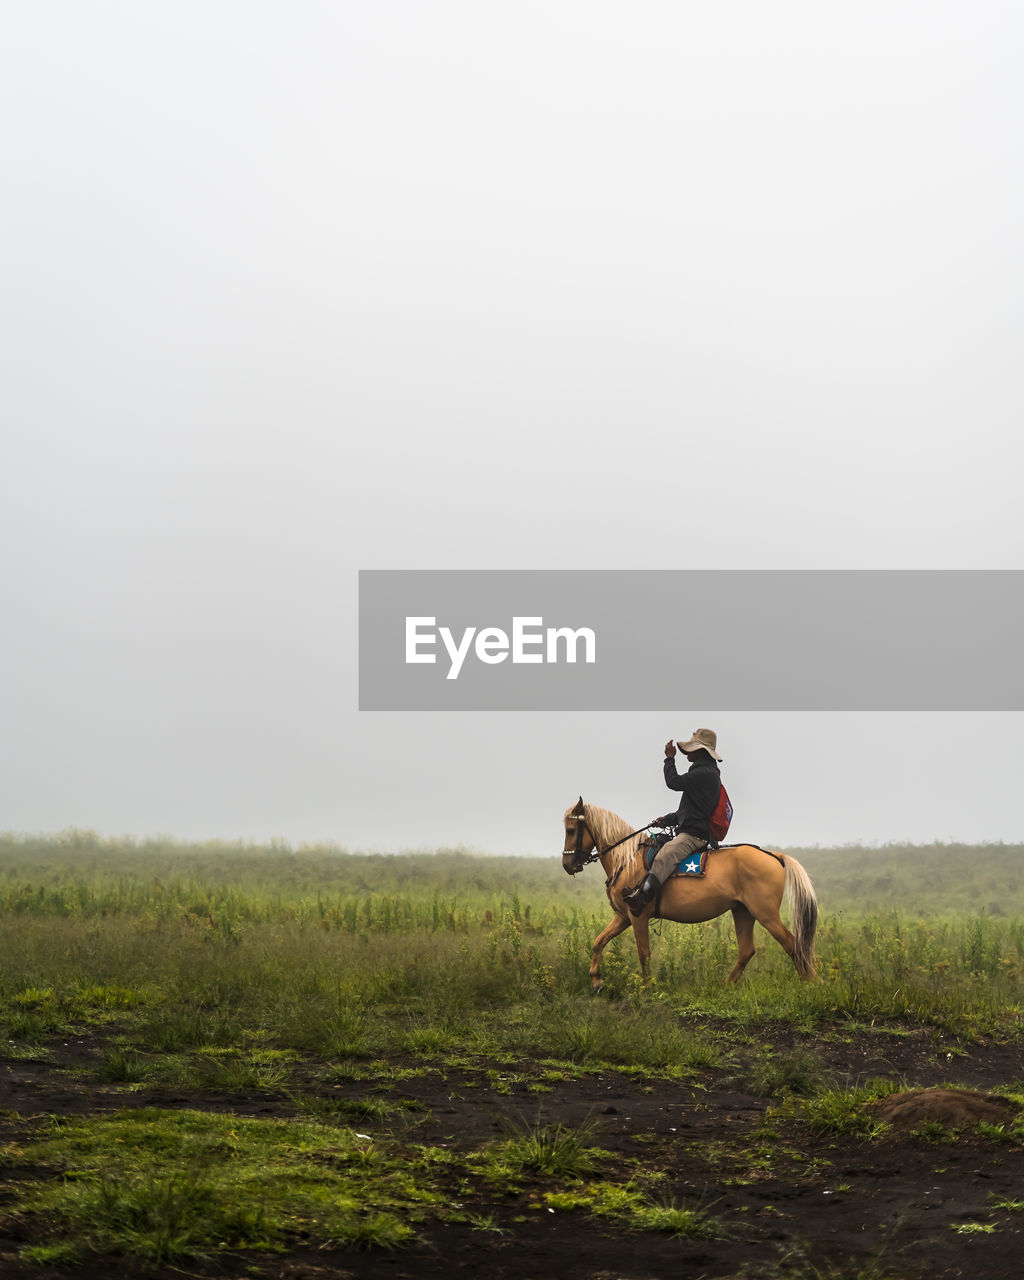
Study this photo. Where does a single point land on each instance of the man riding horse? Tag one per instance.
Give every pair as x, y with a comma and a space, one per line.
700, 785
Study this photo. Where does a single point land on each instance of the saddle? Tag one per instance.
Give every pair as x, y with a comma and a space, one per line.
694, 864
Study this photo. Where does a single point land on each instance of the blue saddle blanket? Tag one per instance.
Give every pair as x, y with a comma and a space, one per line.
694, 864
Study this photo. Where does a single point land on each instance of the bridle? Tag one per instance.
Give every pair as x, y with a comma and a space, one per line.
581, 859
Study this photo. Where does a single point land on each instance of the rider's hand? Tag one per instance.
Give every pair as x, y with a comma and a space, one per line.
670, 749
663, 821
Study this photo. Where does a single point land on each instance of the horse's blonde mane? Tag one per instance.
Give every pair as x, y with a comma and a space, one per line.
606, 828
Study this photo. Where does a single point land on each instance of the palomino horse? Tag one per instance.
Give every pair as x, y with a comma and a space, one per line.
741, 878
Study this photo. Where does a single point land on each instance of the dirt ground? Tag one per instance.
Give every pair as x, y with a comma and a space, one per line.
922, 1200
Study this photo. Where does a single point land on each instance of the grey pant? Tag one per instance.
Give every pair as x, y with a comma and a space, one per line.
674, 852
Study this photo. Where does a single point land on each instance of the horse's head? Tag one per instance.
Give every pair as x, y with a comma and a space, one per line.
578, 840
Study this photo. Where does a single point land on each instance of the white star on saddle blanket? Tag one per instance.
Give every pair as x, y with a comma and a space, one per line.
693, 866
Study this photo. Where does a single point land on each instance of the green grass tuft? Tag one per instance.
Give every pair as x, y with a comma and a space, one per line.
799, 1072
842, 1111
677, 1220
553, 1149
168, 1187
122, 1066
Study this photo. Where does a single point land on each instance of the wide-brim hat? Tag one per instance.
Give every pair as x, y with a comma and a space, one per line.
702, 740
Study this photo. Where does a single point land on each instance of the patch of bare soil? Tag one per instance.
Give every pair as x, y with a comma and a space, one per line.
912, 1203
952, 1109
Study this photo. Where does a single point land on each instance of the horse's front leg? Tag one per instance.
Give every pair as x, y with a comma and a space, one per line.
618, 925
643, 945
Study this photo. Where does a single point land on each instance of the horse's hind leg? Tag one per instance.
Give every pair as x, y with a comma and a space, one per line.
744, 923
781, 935
618, 925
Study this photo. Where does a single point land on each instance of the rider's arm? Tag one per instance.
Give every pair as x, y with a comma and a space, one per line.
674, 780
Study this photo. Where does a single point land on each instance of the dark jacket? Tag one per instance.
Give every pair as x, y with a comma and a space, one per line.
700, 786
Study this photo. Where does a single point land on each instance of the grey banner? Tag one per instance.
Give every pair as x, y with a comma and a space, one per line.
835, 640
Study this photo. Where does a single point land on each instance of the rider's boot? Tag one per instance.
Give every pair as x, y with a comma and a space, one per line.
641, 894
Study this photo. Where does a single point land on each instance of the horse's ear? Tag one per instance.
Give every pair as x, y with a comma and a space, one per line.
578, 811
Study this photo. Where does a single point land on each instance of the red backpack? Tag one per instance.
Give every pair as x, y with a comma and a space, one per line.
721, 817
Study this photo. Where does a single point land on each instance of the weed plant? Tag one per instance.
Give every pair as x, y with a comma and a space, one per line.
555, 1149
843, 1111
798, 1072
678, 1220
628, 1204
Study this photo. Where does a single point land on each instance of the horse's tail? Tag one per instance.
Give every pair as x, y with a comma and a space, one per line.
804, 902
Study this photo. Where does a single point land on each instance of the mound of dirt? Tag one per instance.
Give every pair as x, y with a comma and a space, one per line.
952, 1108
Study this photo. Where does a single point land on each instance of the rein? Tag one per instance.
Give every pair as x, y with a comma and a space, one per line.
584, 859
625, 838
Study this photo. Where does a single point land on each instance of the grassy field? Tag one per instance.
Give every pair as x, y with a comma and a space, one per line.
318, 979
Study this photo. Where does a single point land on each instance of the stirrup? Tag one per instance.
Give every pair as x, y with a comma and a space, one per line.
641, 894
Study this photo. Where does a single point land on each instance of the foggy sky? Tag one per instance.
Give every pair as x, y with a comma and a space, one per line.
294, 291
